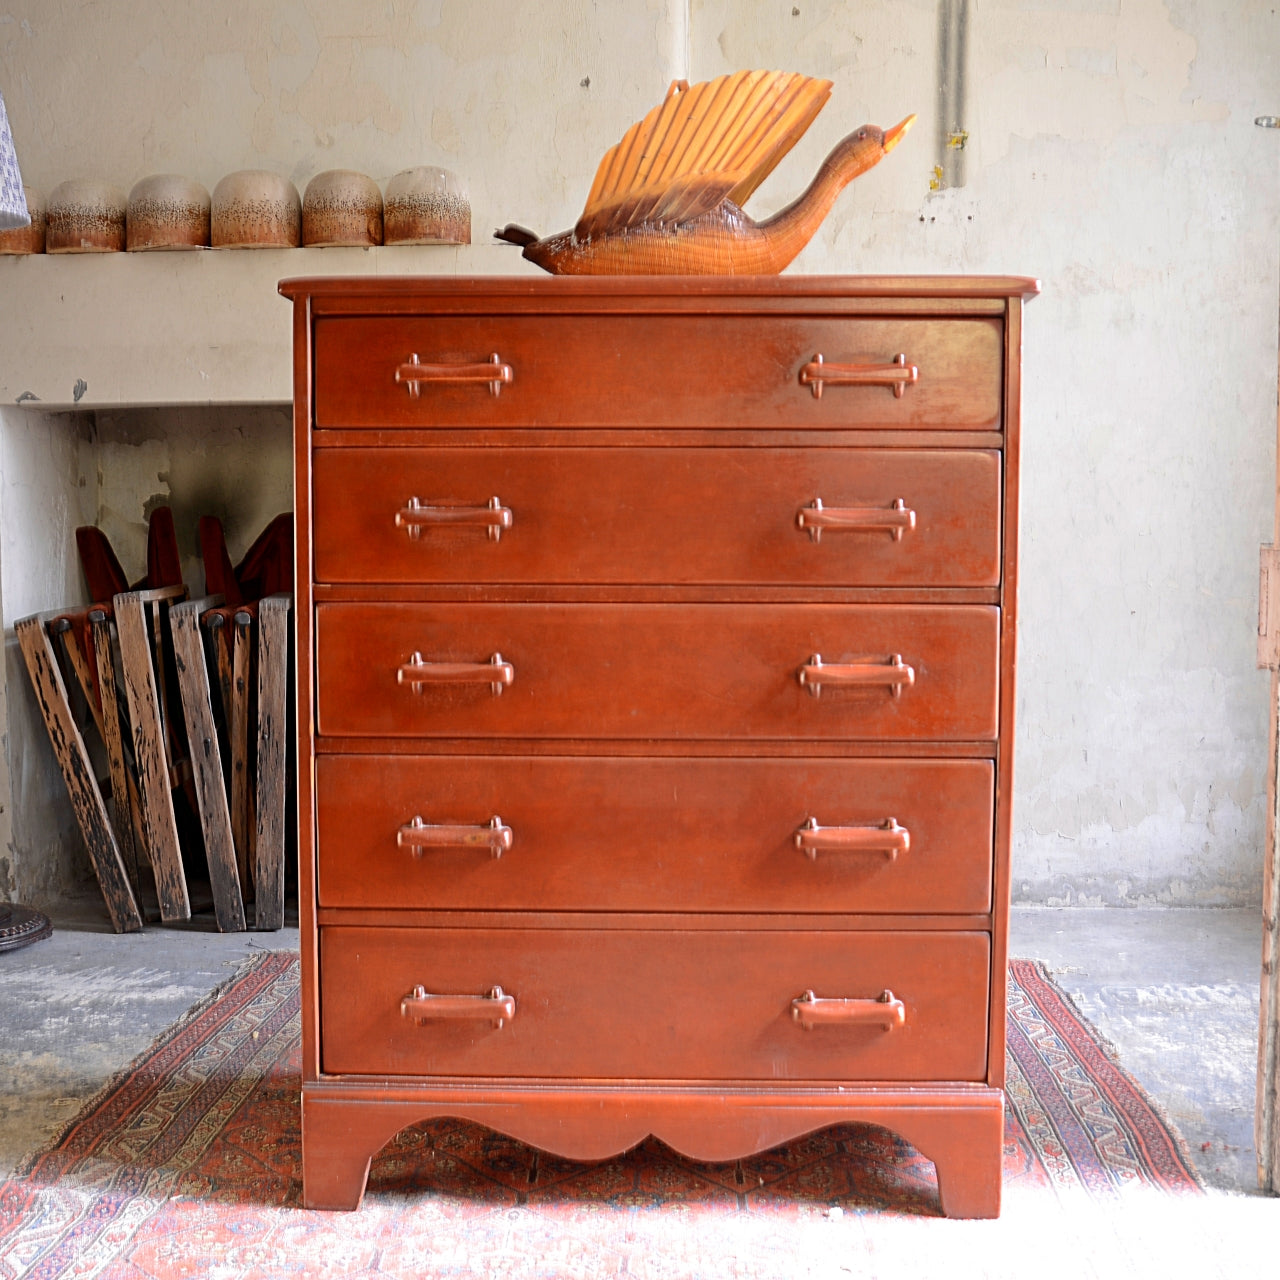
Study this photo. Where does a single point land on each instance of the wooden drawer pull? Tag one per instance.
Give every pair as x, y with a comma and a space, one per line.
496, 1007
895, 520
415, 516
414, 373
417, 836
894, 674
898, 375
885, 1012
496, 673
887, 838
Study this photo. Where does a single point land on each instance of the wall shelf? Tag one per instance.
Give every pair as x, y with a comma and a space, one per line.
96, 331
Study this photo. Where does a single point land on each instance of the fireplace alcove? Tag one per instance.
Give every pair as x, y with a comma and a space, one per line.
129, 381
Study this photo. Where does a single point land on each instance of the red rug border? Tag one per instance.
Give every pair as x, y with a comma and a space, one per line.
131, 1086
1107, 1057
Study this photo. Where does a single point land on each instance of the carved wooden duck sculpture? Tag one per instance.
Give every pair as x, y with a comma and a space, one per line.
667, 200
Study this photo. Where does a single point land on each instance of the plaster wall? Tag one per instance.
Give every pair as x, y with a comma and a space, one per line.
1110, 151
45, 492
235, 463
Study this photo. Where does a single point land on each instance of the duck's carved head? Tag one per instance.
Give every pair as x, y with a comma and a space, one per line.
865, 147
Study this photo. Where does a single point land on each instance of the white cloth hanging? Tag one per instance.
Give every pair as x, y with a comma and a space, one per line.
13, 203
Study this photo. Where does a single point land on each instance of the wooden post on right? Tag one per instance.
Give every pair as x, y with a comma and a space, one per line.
1266, 1124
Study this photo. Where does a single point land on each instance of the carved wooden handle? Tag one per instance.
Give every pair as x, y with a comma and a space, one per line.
894, 674
898, 375
415, 516
417, 835
885, 1012
887, 838
414, 373
496, 1007
895, 520
496, 673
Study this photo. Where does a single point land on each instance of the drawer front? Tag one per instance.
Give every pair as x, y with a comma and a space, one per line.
662, 371
630, 834
661, 516
658, 671
627, 1003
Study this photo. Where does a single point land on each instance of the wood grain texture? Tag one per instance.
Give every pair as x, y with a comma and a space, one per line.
658, 671
345, 1123
147, 733
242, 627
217, 623
1267, 1109
304, 683
206, 758
672, 834
77, 772
124, 793
654, 399
322, 296
685, 371
68, 639
270, 791
704, 144
704, 516
84, 638
667, 198
626, 1004
1012, 458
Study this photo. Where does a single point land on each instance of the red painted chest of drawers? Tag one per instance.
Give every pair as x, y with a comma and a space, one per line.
655, 692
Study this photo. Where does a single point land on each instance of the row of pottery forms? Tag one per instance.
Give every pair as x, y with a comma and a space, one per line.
250, 209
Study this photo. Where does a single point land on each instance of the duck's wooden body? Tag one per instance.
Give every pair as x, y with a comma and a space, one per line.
668, 198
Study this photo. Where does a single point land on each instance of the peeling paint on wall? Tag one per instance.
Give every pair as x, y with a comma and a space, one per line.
235, 463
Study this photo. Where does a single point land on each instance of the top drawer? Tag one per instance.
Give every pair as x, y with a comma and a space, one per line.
658, 371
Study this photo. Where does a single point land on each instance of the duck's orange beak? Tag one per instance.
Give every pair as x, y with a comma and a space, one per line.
893, 136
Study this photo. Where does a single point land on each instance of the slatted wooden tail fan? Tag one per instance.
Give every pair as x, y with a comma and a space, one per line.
668, 198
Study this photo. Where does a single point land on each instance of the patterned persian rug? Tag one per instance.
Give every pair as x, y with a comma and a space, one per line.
187, 1164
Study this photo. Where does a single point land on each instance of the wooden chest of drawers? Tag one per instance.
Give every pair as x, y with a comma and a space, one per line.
655, 692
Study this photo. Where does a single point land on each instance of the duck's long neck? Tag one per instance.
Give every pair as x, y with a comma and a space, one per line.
789, 230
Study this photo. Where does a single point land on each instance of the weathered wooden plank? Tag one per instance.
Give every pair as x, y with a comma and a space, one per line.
126, 815
219, 638
1267, 1112
147, 735
1266, 1122
125, 811
174, 740
73, 759
242, 624
273, 738
122, 807
206, 762
63, 627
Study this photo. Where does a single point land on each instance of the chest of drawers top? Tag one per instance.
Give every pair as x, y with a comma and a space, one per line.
678, 354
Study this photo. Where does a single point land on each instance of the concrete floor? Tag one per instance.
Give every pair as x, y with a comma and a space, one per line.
77, 1007
1176, 992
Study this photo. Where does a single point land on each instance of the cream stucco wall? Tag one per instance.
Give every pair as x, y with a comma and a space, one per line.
1111, 151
